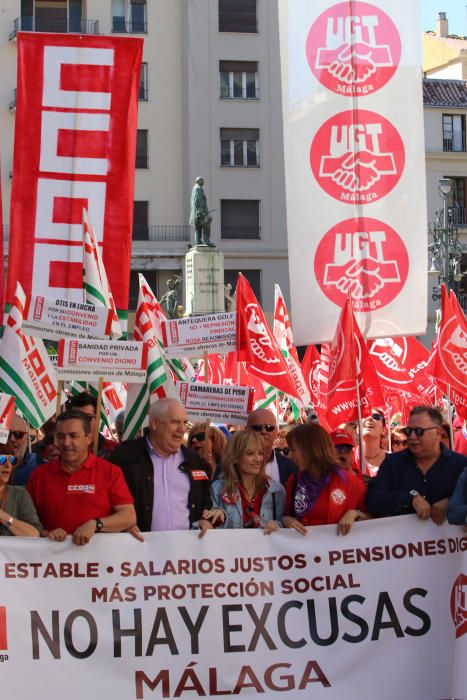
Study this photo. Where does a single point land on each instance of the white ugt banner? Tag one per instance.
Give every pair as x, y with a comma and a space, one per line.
355, 167
380, 614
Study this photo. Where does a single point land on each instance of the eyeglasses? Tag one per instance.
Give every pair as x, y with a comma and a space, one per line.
398, 443
200, 437
259, 427
377, 416
17, 434
8, 458
344, 448
419, 432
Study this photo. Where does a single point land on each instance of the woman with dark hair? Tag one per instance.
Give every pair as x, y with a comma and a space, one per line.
209, 442
17, 512
245, 495
321, 493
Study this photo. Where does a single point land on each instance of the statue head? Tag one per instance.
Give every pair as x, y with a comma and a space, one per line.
199, 181
170, 283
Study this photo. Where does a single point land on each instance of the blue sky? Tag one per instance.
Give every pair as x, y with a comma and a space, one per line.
455, 12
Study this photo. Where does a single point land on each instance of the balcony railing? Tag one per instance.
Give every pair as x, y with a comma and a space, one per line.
161, 233
227, 93
121, 26
54, 24
247, 25
459, 216
452, 146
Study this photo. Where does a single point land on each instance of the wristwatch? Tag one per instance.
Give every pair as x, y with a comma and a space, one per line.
99, 524
413, 493
9, 522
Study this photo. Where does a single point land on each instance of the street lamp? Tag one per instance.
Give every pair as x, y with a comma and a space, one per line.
445, 251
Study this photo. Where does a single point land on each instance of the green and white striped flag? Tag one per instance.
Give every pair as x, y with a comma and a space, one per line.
159, 380
26, 371
271, 393
95, 283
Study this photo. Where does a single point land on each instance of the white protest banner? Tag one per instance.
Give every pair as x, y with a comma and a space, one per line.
222, 404
380, 613
114, 360
354, 160
194, 335
55, 318
7, 407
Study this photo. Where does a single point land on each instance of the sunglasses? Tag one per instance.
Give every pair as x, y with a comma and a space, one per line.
258, 427
398, 443
18, 434
377, 416
8, 458
200, 437
419, 432
344, 448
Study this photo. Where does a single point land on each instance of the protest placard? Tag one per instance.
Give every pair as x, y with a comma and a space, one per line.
221, 404
195, 335
377, 614
45, 317
114, 360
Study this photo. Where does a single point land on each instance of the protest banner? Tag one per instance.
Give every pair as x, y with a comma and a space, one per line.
380, 613
7, 407
220, 403
192, 336
55, 318
75, 145
113, 360
354, 153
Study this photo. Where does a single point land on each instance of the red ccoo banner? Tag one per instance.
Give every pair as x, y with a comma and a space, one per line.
75, 143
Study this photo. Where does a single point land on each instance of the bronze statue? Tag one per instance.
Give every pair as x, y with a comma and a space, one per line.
200, 216
170, 298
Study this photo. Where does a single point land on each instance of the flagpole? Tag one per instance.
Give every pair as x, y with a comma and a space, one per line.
206, 367
360, 425
98, 415
451, 431
58, 404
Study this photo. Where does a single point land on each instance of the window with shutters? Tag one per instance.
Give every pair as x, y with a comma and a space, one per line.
238, 80
240, 148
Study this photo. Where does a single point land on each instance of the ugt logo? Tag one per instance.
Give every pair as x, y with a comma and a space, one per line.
357, 156
459, 605
364, 258
353, 48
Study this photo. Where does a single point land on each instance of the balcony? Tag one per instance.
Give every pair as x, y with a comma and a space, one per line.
249, 93
54, 24
459, 216
451, 145
121, 26
142, 232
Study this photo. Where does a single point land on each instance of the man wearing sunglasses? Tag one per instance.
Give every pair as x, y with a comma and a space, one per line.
278, 466
420, 478
26, 461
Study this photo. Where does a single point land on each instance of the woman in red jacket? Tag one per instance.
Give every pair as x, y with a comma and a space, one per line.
321, 493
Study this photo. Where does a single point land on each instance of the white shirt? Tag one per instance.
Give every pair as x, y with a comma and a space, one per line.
272, 468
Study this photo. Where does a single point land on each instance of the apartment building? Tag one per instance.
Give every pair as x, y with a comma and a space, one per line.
209, 105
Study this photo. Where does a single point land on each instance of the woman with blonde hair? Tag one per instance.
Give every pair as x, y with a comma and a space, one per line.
322, 493
209, 442
245, 497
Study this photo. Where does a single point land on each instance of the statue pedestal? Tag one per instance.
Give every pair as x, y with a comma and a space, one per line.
204, 281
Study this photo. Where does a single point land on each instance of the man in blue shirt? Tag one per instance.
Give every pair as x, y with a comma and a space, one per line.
421, 478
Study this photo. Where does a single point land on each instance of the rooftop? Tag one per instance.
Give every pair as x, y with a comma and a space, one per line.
444, 93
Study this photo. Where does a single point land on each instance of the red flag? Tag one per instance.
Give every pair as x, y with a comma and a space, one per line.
236, 373
216, 370
315, 373
256, 344
448, 363
350, 361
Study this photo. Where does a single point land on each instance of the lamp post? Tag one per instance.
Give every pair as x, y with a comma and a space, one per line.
445, 251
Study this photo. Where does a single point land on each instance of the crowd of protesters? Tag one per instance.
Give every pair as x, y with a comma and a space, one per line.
179, 476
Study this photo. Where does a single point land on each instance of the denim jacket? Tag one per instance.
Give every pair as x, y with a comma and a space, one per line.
272, 507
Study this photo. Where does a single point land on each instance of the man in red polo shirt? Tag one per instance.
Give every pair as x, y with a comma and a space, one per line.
80, 494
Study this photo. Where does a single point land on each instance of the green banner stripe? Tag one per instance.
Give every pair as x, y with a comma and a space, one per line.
93, 293
134, 409
21, 385
19, 403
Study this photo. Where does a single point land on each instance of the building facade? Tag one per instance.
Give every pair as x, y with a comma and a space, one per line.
209, 105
